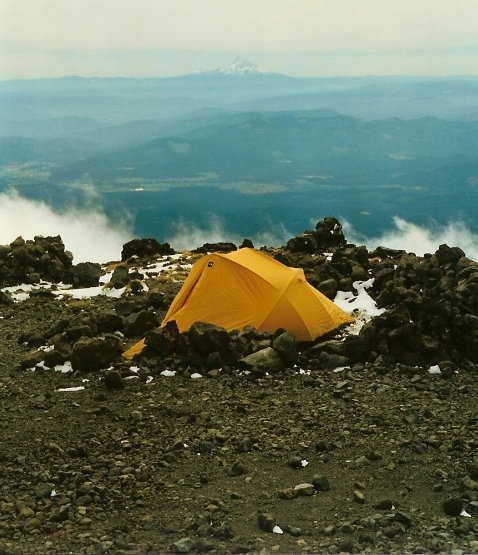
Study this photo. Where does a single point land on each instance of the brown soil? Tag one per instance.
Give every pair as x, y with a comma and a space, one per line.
216, 459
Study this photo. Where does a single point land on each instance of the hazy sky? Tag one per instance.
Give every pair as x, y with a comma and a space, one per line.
136, 38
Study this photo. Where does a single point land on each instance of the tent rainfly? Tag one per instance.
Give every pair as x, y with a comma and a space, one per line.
248, 287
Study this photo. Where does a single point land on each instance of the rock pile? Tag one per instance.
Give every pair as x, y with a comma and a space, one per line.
211, 347
430, 309
431, 302
43, 258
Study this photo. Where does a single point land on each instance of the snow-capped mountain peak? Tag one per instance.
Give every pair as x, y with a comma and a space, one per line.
240, 66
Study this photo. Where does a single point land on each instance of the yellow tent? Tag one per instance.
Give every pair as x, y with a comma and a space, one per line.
247, 287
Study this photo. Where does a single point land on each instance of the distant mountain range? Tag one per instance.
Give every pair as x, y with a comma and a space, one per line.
236, 88
387, 145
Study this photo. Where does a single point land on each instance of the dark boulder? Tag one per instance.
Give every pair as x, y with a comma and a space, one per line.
448, 255
5, 299
207, 338
330, 361
328, 287
5, 250
329, 234
222, 246
165, 340
92, 354
305, 242
73, 333
113, 380
138, 323
405, 344
246, 243
145, 248
120, 276
286, 345
84, 274
109, 321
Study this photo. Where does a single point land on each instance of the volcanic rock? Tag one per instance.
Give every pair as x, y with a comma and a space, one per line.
266, 360
145, 248
91, 354
84, 274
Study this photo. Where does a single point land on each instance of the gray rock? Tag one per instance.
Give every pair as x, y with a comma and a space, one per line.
43, 490
453, 506
143, 248
384, 505
5, 250
245, 445
73, 333
305, 489
184, 545
32, 524
292, 531
473, 470
321, 483
207, 338
286, 345
164, 340
138, 323
109, 321
32, 359
120, 276
84, 274
91, 354
113, 380
294, 461
237, 469
265, 522
330, 361
328, 287
403, 518
359, 497
264, 361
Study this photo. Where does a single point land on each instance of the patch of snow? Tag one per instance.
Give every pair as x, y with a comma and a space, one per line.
168, 373
434, 369
340, 369
195, 376
65, 367
78, 388
19, 297
277, 530
91, 292
360, 305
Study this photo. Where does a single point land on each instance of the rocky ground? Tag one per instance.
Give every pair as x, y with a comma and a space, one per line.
354, 446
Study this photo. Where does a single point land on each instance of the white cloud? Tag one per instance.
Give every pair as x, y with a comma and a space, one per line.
186, 235
419, 239
87, 233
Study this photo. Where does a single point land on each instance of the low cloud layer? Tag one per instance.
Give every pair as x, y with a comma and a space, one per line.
186, 235
419, 239
91, 236
88, 234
